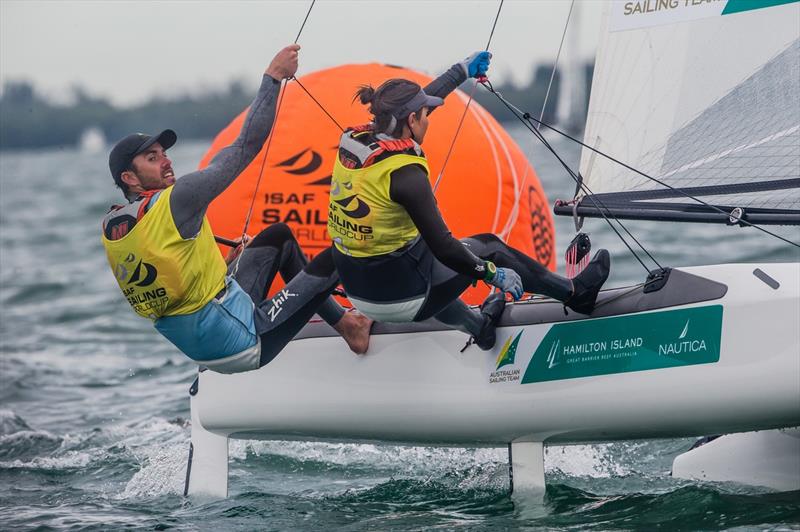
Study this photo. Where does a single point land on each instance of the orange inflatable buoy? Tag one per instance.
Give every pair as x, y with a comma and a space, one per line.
488, 185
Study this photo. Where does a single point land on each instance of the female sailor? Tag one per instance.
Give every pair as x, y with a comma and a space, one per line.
396, 258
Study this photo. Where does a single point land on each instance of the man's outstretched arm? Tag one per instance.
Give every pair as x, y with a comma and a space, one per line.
195, 191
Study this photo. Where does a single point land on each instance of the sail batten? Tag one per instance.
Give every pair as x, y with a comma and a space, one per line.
706, 101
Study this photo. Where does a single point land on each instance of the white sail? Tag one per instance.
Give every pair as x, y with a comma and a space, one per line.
698, 93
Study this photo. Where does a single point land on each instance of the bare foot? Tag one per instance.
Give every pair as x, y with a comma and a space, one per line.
354, 328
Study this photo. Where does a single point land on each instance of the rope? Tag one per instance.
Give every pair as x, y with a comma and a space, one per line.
507, 228
518, 113
303, 25
662, 183
555, 65
318, 103
281, 95
466, 108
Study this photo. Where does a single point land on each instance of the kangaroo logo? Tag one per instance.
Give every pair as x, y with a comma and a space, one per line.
361, 209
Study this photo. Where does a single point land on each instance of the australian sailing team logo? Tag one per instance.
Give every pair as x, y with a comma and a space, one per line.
507, 357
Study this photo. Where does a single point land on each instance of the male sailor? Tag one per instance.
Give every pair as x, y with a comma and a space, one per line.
412, 268
163, 255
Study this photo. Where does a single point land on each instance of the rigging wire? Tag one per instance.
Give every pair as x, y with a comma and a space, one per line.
555, 65
303, 25
466, 108
317, 102
281, 95
522, 117
508, 225
656, 180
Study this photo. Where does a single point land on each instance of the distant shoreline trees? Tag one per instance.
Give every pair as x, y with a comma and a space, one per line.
29, 120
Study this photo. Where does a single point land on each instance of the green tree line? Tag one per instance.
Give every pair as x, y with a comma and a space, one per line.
29, 120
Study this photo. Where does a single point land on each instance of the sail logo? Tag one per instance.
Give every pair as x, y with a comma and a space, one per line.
682, 346
144, 274
294, 166
360, 210
134, 282
506, 357
552, 356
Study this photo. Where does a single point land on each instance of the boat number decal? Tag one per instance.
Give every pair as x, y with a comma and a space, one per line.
621, 344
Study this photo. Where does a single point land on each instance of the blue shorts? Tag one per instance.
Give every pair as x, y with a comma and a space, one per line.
222, 328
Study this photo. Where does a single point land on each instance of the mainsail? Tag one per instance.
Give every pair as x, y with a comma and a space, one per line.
703, 96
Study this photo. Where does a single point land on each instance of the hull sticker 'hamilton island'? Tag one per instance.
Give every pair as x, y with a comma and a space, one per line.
637, 342
605, 346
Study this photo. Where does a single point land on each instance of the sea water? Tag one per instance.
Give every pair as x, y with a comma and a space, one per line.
94, 408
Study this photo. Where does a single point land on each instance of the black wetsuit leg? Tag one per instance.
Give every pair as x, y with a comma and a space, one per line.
536, 279
461, 317
447, 285
307, 291
272, 250
275, 250
281, 317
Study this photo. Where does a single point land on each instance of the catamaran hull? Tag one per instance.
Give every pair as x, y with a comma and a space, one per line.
715, 350
769, 458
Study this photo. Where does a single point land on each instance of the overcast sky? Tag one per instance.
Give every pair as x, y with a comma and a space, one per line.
131, 50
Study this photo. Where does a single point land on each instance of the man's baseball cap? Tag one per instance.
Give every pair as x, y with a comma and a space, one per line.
126, 149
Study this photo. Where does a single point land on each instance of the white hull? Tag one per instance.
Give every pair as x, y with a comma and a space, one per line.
417, 386
769, 458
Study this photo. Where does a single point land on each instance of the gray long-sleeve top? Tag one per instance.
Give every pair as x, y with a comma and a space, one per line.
194, 192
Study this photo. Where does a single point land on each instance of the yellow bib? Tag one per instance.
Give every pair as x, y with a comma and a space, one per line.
363, 221
160, 273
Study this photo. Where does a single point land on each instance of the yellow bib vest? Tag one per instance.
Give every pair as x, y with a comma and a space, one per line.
363, 221
159, 272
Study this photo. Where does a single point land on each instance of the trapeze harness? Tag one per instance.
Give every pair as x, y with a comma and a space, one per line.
383, 264
180, 284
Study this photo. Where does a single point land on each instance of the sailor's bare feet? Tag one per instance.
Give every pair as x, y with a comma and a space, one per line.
354, 328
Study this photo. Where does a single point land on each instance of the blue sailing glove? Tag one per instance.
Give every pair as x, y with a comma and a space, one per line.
476, 64
506, 279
